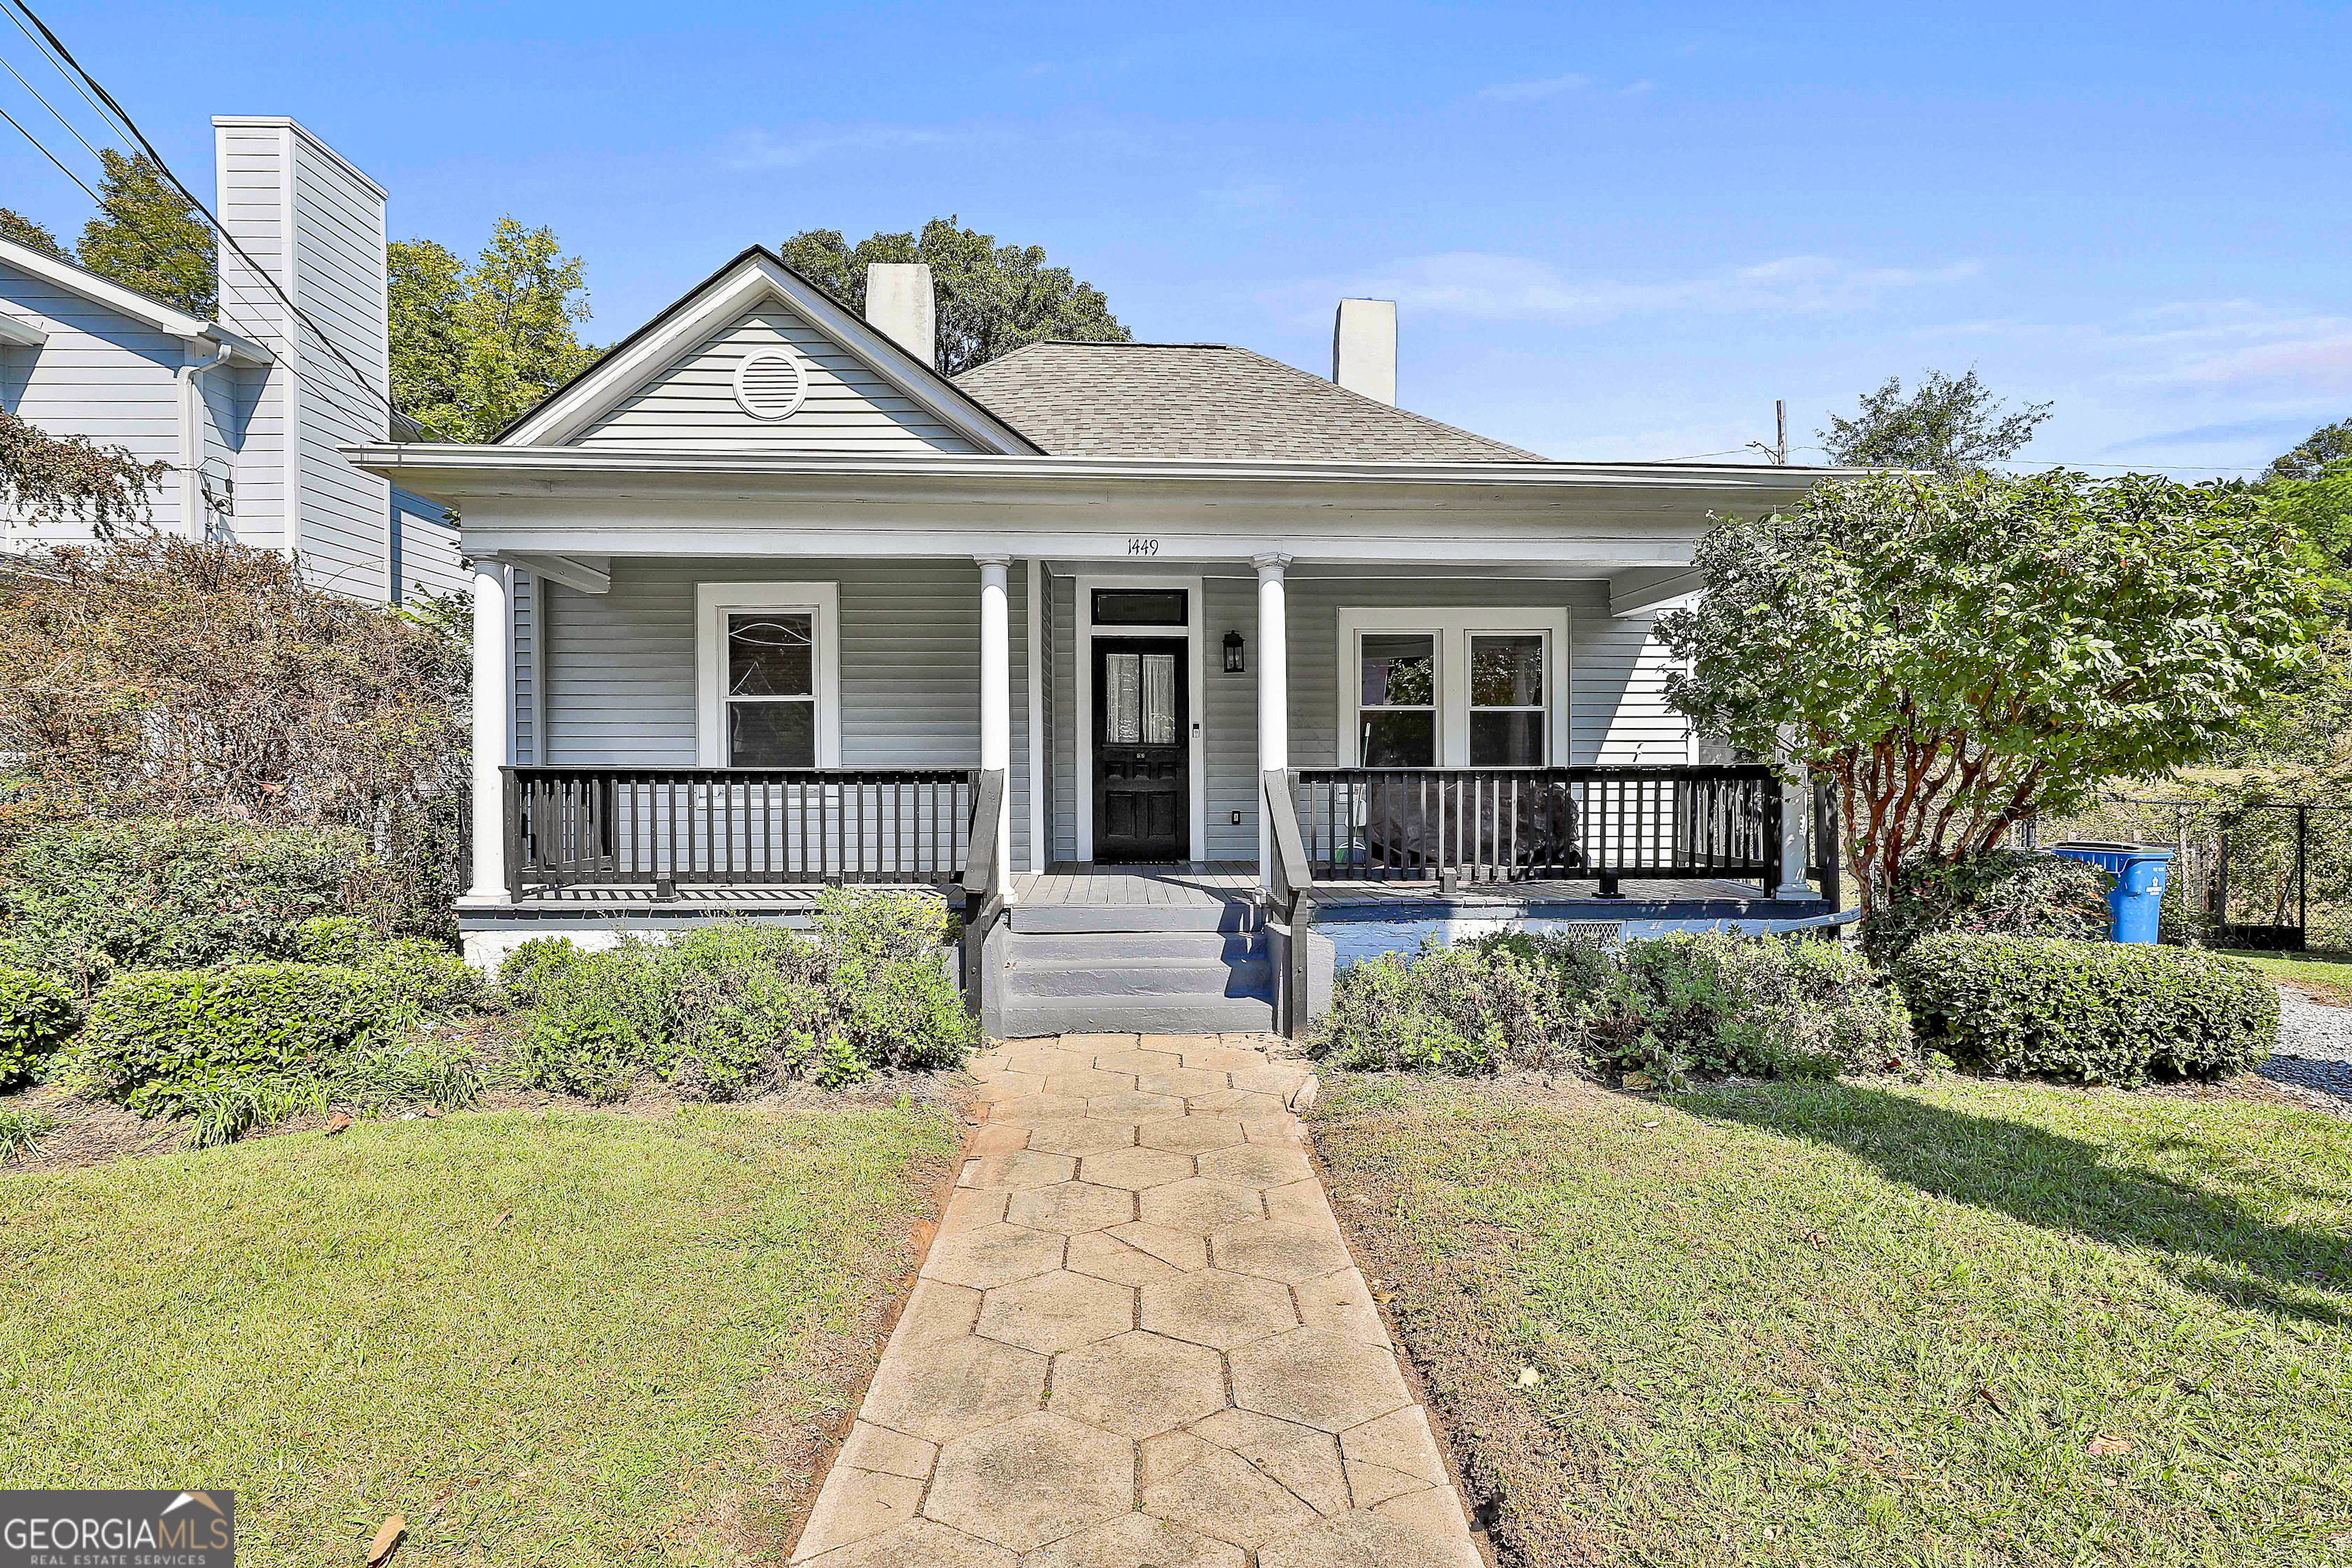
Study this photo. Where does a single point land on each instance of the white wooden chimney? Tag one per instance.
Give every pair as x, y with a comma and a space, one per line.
901, 306
1363, 348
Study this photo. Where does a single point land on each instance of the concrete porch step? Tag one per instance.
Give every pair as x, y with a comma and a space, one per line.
1140, 1015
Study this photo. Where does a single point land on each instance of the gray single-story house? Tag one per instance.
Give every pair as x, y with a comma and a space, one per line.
1190, 673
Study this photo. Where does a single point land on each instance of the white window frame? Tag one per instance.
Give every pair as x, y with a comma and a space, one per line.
1195, 700
1453, 628
713, 602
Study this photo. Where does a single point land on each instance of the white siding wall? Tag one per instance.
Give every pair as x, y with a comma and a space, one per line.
429, 559
100, 375
315, 225
849, 407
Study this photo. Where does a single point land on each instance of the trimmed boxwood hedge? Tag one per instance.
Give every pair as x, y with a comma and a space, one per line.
2088, 1011
37, 1015
156, 1038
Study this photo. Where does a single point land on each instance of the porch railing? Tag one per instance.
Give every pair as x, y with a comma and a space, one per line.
669, 828
1500, 825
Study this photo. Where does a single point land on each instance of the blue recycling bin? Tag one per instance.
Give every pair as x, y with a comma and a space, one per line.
2135, 904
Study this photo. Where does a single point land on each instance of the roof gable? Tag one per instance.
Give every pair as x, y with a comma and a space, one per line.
129, 303
671, 383
1206, 400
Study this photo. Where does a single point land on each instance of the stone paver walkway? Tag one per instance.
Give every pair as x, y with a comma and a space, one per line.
1138, 1342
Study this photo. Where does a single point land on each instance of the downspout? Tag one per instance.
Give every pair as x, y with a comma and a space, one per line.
193, 506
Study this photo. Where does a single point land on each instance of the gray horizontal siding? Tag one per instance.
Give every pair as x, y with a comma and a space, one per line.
848, 407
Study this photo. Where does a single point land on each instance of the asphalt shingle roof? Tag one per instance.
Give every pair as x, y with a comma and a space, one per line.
1205, 399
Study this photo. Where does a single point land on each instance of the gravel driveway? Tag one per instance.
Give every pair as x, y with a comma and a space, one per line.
2314, 1046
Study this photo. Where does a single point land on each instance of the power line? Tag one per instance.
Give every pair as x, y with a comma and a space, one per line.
123, 115
52, 157
45, 103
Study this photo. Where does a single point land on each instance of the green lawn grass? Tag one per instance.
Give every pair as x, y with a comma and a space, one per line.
560, 1338
1959, 1323
2327, 975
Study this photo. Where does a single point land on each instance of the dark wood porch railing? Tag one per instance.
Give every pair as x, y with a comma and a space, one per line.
668, 828
1500, 825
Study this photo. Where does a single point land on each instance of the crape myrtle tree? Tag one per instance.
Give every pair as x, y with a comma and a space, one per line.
1955, 654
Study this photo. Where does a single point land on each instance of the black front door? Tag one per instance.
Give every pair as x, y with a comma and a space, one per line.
1143, 750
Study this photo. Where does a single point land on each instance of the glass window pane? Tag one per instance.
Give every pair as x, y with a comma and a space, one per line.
1159, 700
772, 734
1507, 671
1506, 740
1399, 740
1140, 606
770, 655
1123, 699
1399, 670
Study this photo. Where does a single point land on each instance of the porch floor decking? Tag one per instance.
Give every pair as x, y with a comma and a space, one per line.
1203, 884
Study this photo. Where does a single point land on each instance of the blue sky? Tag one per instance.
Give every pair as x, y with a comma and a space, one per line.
1613, 231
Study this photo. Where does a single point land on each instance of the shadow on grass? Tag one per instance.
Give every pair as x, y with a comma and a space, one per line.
2208, 1240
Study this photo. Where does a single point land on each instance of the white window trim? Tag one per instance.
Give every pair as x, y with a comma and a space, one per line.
1453, 627
1195, 700
713, 601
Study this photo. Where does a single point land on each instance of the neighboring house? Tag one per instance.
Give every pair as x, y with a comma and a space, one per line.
1199, 674
248, 411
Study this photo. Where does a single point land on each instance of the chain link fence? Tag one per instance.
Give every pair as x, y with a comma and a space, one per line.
2275, 875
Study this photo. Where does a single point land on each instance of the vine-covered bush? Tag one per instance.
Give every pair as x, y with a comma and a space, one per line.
85, 901
729, 1008
2089, 1012
37, 1015
1660, 1007
2007, 892
158, 1039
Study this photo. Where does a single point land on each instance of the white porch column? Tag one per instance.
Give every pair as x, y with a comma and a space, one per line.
996, 699
1273, 692
493, 724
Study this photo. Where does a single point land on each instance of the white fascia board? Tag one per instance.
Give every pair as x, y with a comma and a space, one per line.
100, 290
590, 574
1646, 590
573, 410
18, 332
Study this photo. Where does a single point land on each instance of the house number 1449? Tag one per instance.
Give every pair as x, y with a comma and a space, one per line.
1143, 547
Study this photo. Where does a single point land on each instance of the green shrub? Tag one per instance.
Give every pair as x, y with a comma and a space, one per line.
154, 1039
422, 979
732, 1007
86, 900
1718, 1002
2089, 1012
37, 1015
2009, 892
332, 939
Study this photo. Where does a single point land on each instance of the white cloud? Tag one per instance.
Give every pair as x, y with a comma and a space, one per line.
758, 149
1527, 92
1509, 287
2199, 349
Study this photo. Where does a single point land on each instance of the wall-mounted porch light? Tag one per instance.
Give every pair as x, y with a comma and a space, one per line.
1233, 653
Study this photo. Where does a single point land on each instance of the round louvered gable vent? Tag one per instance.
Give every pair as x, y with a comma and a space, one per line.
771, 384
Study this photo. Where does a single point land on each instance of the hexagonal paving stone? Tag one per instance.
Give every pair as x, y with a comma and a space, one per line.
1177, 1249
1221, 1058
1216, 1308
1253, 1166
1009, 1086
1032, 1481
1401, 1440
1138, 1385
936, 1312
1200, 1206
1081, 1135
1193, 1133
1280, 1250
1318, 1377
1354, 1540
1280, 1079
886, 1453
1070, 1208
1136, 1168
1089, 1084
1129, 1106
991, 1255
921, 1542
1216, 1492
1339, 1301
1031, 1110
1298, 1203
1303, 1459
1056, 1312
1180, 1080
855, 1504
1139, 1541
948, 1391
1132, 1060
1236, 1102
968, 1208
1010, 1172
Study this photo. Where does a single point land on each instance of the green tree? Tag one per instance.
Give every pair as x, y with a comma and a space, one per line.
992, 298
2305, 726
16, 225
53, 479
475, 347
149, 236
2306, 459
1948, 427
1957, 654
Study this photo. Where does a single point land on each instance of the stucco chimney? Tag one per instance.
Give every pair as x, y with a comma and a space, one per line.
900, 306
1363, 348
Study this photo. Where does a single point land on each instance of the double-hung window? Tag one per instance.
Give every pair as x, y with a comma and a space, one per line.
767, 681
1452, 687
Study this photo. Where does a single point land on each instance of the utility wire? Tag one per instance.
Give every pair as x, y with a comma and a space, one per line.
129, 126
52, 157
45, 103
